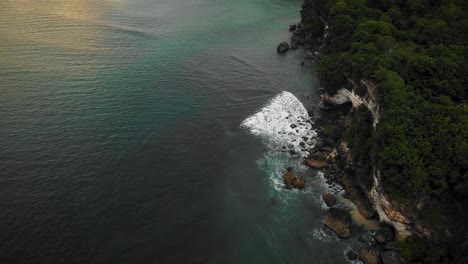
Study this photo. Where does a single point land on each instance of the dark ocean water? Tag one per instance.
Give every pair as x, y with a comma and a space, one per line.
120, 138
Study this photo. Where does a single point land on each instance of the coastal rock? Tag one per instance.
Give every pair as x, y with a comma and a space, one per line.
338, 220
298, 182
364, 238
351, 255
293, 181
282, 47
354, 193
288, 178
297, 39
380, 238
292, 27
294, 46
316, 164
317, 156
369, 255
385, 234
329, 199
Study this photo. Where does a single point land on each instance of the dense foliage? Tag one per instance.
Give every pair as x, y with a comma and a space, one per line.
416, 52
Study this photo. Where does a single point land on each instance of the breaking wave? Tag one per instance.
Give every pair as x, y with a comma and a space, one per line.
283, 124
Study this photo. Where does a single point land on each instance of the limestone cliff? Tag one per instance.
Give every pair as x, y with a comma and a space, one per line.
390, 212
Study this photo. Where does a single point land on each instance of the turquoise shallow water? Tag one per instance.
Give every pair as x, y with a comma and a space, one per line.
120, 138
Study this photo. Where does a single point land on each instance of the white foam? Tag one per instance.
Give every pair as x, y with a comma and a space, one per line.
283, 124
321, 235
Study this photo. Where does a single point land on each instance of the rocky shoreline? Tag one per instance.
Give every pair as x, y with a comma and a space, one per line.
332, 156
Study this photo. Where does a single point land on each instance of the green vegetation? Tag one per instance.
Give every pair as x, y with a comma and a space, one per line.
417, 249
416, 52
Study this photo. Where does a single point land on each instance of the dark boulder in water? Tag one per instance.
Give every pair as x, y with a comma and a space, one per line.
293, 125
292, 27
385, 234
298, 182
316, 164
288, 177
282, 47
329, 199
293, 181
294, 46
338, 220
351, 255
369, 255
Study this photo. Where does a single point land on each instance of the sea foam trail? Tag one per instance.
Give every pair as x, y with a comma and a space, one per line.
283, 124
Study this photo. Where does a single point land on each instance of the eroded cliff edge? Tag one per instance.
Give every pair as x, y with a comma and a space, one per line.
404, 135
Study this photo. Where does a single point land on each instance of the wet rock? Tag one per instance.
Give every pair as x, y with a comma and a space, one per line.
292, 27
316, 164
294, 46
354, 192
297, 39
386, 232
298, 182
317, 156
329, 199
351, 255
335, 168
363, 238
293, 126
369, 255
293, 181
305, 138
380, 237
298, 32
338, 220
282, 47
288, 178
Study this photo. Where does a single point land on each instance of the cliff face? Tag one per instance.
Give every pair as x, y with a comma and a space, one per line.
391, 213
314, 18
407, 145
388, 211
369, 100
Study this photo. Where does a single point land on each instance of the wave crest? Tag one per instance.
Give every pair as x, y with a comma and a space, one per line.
283, 124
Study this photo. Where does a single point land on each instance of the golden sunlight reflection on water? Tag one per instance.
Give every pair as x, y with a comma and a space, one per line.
37, 32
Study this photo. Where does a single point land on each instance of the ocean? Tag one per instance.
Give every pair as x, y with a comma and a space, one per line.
121, 137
